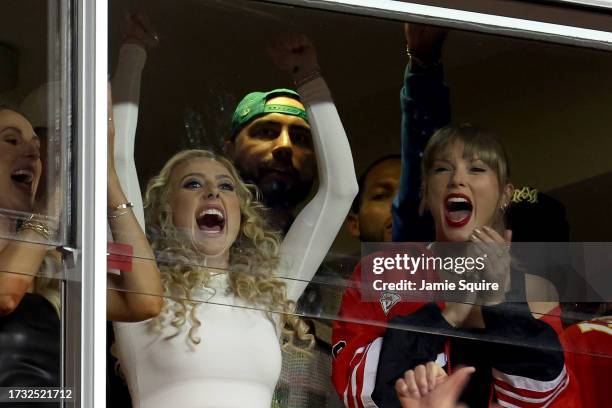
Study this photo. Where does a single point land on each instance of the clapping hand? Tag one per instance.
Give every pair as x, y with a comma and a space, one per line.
426, 387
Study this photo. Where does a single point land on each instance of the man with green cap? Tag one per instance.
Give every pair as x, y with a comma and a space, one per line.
272, 146
270, 139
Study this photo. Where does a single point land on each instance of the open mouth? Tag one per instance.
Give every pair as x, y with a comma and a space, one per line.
23, 179
211, 220
457, 210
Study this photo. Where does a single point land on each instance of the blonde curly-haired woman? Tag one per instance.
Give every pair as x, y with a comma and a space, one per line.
229, 280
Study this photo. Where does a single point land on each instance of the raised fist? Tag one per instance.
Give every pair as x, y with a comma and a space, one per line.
294, 54
425, 42
137, 29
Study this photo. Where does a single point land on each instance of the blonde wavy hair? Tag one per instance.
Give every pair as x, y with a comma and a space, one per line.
253, 257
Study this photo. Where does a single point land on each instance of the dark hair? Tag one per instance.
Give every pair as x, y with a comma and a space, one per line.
357, 201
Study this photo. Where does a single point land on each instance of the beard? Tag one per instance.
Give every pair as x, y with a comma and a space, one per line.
279, 190
281, 193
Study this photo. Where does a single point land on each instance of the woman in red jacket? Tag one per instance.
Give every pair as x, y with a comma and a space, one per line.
514, 346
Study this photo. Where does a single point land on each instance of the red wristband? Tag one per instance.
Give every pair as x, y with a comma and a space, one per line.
119, 256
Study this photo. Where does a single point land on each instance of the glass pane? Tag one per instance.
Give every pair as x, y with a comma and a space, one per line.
303, 258
35, 98
35, 159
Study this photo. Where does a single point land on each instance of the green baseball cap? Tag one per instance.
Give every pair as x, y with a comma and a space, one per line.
253, 105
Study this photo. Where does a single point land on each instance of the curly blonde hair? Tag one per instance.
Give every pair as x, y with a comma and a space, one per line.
253, 257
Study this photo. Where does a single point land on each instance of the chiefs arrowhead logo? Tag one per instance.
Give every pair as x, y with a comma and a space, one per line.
338, 348
388, 300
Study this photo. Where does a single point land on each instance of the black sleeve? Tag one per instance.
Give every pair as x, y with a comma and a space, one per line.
528, 347
404, 348
425, 104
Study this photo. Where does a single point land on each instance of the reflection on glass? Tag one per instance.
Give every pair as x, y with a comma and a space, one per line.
467, 196
29, 304
34, 174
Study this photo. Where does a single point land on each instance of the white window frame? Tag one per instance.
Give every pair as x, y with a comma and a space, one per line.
91, 34
91, 125
460, 19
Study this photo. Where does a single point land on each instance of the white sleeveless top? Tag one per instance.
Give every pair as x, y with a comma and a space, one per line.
236, 364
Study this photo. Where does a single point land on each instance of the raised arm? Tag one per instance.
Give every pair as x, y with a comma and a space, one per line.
425, 108
20, 261
126, 93
127, 226
315, 228
137, 294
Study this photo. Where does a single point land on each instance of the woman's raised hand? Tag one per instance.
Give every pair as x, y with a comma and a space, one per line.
424, 42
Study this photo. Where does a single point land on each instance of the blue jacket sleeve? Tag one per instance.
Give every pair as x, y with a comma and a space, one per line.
425, 108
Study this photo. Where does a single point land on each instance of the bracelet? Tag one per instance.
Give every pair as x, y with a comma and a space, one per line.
42, 229
315, 73
125, 206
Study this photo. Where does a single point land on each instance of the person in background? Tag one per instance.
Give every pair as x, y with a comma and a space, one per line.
271, 144
270, 140
370, 216
29, 283
588, 346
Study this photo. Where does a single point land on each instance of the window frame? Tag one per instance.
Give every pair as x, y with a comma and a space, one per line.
91, 125
463, 20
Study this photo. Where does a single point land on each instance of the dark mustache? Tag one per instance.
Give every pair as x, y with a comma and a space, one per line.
275, 166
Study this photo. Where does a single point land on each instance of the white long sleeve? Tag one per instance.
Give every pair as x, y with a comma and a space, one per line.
126, 96
315, 228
